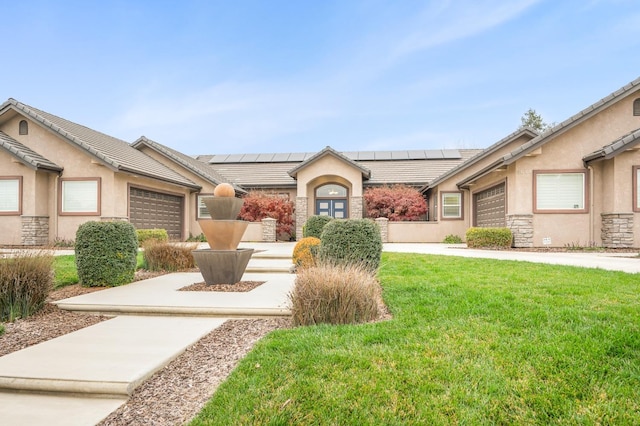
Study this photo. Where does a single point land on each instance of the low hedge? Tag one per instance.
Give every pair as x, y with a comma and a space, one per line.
489, 237
149, 235
106, 253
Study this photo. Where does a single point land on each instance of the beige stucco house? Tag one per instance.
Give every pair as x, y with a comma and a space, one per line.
576, 184
56, 175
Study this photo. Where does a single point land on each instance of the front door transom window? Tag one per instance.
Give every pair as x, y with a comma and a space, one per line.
331, 200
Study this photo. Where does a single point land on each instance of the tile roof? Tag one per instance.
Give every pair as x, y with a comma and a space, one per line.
26, 155
112, 152
557, 130
275, 174
366, 173
199, 168
614, 148
525, 131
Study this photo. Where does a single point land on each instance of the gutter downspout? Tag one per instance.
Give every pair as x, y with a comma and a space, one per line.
591, 204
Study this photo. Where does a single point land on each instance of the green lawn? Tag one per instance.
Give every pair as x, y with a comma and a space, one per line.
66, 273
471, 342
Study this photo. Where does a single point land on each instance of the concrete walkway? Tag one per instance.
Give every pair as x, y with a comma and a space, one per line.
79, 378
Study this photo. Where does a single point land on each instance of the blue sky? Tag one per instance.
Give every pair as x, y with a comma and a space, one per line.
215, 77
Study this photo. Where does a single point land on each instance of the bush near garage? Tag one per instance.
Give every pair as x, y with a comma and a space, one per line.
314, 225
489, 237
169, 257
351, 241
305, 252
147, 235
106, 253
25, 283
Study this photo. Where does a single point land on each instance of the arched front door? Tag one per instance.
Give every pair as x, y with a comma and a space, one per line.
331, 200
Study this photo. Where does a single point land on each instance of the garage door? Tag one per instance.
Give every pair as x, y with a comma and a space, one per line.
155, 210
490, 207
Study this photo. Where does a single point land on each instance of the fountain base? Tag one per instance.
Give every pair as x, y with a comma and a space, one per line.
222, 266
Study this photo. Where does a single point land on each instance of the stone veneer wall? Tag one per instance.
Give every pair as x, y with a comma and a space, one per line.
301, 215
617, 230
35, 230
356, 207
383, 224
521, 226
269, 229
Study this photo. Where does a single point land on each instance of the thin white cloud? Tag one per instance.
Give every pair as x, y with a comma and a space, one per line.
451, 21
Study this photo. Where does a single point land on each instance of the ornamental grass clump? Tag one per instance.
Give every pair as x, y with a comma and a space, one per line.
169, 257
25, 283
335, 294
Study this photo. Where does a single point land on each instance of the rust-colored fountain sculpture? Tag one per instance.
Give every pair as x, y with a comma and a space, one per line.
223, 262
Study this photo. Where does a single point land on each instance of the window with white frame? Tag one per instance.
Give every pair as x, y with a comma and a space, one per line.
80, 196
451, 205
560, 191
10, 188
203, 212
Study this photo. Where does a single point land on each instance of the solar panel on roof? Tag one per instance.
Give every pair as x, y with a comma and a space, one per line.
265, 158
297, 156
248, 158
399, 155
281, 157
366, 155
451, 153
382, 155
234, 158
218, 158
417, 155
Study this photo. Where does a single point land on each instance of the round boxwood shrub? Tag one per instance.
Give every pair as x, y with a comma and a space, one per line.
305, 252
351, 241
314, 225
106, 253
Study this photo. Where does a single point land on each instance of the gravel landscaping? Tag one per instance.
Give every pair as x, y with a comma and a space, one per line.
177, 392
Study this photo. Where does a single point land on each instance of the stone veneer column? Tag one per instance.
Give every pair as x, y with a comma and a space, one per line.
617, 230
301, 215
269, 230
356, 207
383, 224
521, 226
35, 230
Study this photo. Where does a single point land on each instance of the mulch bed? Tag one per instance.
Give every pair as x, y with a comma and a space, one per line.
239, 287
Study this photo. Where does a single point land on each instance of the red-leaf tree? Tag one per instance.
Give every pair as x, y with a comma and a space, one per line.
396, 203
259, 205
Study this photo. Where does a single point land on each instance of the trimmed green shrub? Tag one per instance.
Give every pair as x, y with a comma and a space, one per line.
351, 241
106, 253
169, 257
305, 252
25, 283
146, 235
314, 225
334, 294
489, 237
452, 239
